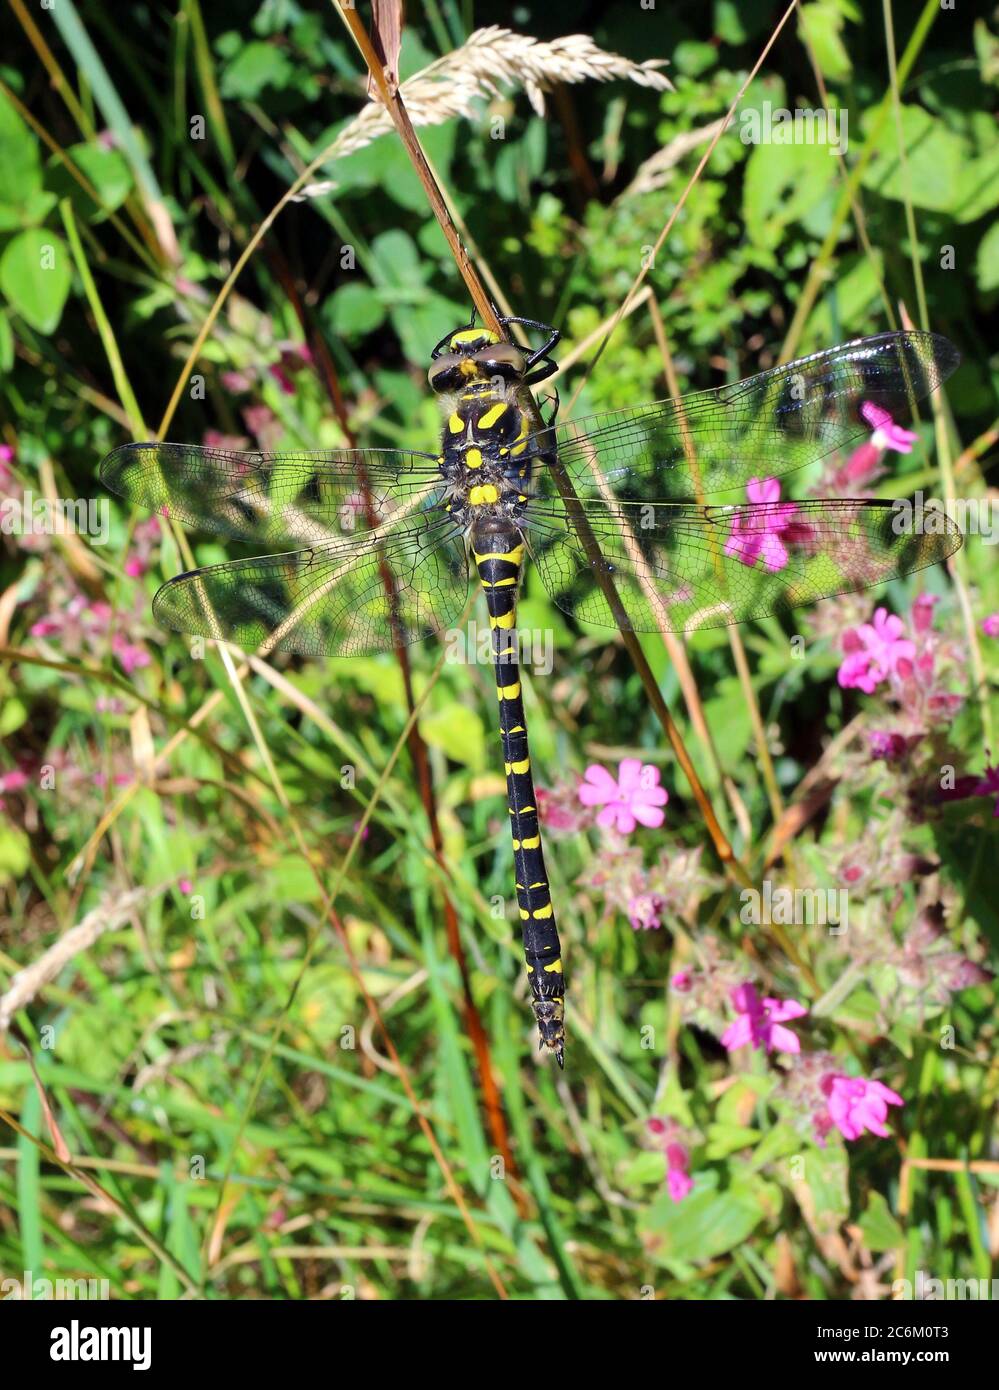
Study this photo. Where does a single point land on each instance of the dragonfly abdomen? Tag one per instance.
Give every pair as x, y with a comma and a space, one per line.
498, 552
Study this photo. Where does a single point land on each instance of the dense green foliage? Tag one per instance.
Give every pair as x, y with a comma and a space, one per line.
208, 1058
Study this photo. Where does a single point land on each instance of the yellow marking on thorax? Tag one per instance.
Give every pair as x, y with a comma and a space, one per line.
473, 335
491, 416
473, 458
483, 494
456, 424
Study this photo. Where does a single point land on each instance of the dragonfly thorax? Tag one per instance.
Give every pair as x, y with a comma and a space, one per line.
484, 454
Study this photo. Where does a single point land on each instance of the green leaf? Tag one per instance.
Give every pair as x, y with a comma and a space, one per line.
457, 730
881, 1230
6, 344
106, 170
777, 1143
734, 22
385, 165
978, 180
257, 65
783, 183
29, 213
933, 156
848, 299
15, 853
19, 158
822, 24
13, 712
819, 1185
353, 310
730, 721
29, 1193
987, 263
704, 1224
726, 1139
34, 275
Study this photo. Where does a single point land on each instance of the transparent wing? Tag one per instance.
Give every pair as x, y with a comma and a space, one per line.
682, 567
342, 598
766, 426
273, 498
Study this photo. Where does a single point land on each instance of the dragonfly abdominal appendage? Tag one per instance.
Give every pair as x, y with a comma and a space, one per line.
611, 511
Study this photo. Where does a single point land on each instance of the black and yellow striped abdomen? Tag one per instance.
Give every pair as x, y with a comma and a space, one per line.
498, 553
490, 416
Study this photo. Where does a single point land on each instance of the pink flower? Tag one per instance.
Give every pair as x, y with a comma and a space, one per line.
990, 625
665, 1134
14, 781
645, 911
215, 439
759, 1022
131, 656
263, 424
558, 807
634, 796
185, 886
237, 382
888, 744
860, 470
855, 1105
887, 435
678, 1180
682, 981
120, 779
282, 378
758, 532
875, 651
989, 786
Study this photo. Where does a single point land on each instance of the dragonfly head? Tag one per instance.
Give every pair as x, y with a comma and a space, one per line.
476, 356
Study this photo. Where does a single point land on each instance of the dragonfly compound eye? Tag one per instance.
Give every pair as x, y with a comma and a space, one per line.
448, 373
502, 360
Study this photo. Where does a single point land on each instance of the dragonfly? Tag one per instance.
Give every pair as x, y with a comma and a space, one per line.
610, 510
